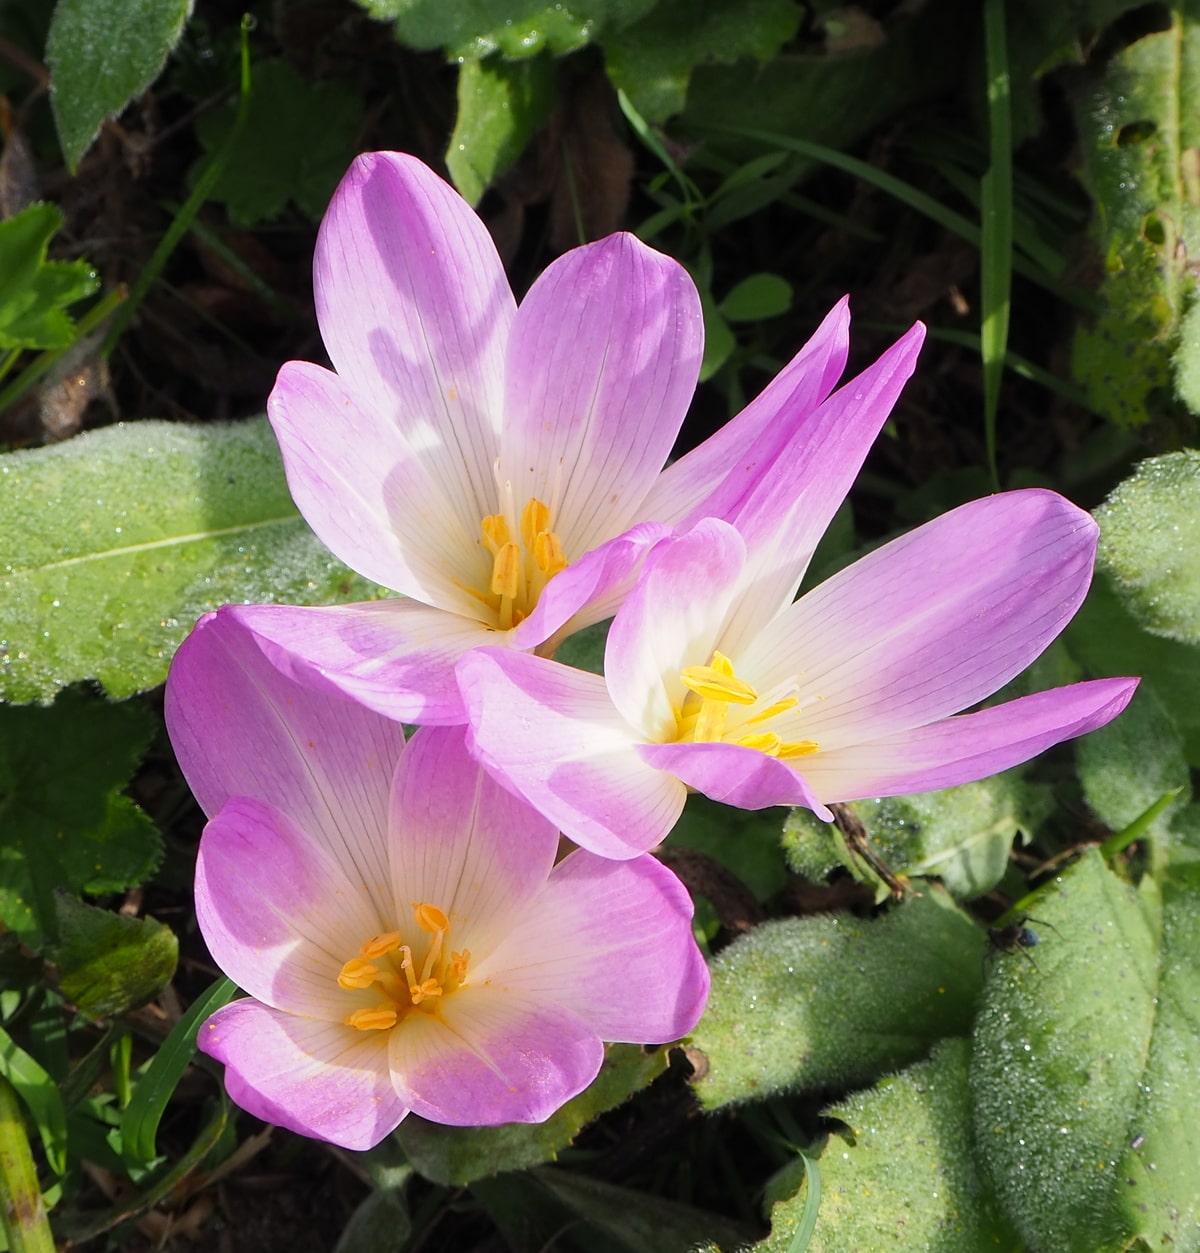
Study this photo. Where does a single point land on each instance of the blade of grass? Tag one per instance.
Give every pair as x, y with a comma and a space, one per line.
812, 1203
41, 1096
641, 128
996, 248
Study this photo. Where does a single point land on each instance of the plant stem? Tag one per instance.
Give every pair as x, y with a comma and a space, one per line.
21, 1206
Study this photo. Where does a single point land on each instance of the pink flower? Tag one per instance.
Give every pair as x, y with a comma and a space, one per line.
498, 466
716, 680
399, 921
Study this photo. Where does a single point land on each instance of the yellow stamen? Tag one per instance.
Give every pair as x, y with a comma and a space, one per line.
548, 553
494, 532
373, 1019
718, 682
799, 748
388, 942
430, 918
424, 990
779, 707
535, 521
506, 572
456, 971
357, 973
710, 722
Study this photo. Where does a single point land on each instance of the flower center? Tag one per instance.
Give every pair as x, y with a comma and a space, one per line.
721, 708
520, 567
387, 966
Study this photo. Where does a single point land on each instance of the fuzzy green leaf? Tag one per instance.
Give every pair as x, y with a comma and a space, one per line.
63, 823
908, 1179
1086, 1107
833, 1000
269, 164
101, 54
454, 1156
115, 542
1150, 544
34, 292
109, 964
500, 105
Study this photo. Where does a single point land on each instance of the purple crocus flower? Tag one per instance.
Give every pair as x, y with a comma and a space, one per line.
498, 466
398, 918
716, 680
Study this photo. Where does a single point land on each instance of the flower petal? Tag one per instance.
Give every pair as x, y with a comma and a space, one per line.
611, 941
281, 936
968, 747
463, 843
672, 619
397, 657
368, 492
786, 510
930, 623
415, 311
602, 362
734, 456
551, 734
491, 1057
241, 728
317, 1078
736, 775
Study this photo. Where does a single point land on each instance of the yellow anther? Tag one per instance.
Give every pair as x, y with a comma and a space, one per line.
506, 572
424, 990
717, 681
357, 973
373, 1019
548, 553
456, 971
779, 707
430, 918
535, 521
798, 748
710, 722
765, 741
493, 530
388, 942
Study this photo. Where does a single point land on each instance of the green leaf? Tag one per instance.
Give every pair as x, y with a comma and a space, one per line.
115, 542
1109, 642
101, 54
652, 60
41, 1096
1150, 544
33, 291
381, 1223
109, 964
833, 1000
1085, 1100
757, 297
908, 1177
1126, 766
60, 770
500, 105
471, 29
157, 1083
269, 164
454, 1156
1139, 125
745, 841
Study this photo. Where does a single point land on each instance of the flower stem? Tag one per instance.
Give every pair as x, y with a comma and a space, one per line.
22, 1210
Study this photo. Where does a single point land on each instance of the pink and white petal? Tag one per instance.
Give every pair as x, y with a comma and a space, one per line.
415, 311
365, 492
611, 941
492, 1057
590, 589
930, 623
320, 1079
240, 727
463, 843
968, 747
282, 935
396, 657
737, 775
672, 619
735, 455
551, 734
602, 363
786, 511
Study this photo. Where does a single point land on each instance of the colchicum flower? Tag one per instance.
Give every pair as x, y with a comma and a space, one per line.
497, 466
399, 921
716, 680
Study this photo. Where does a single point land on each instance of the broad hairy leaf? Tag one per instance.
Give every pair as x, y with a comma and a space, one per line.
115, 542
34, 292
905, 1177
102, 53
459, 1155
62, 822
834, 999
1083, 1076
